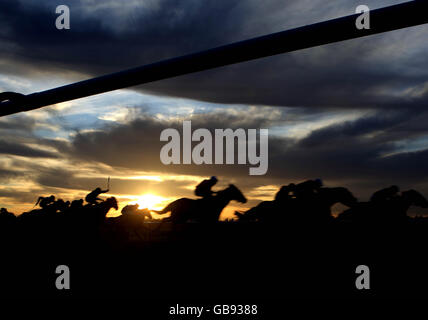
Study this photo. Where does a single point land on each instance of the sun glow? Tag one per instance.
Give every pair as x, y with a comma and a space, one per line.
150, 201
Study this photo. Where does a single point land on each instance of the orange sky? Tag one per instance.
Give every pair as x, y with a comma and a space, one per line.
155, 199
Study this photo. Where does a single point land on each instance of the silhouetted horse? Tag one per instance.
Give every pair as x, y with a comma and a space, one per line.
396, 208
7, 219
133, 212
37, 215
313, 208
96, 213
50, 211
131, 221
393, 210
202, 210
412, 198
265, 211
319, 208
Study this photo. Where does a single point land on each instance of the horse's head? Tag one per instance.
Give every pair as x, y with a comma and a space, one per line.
130, 208
415, 198
112, 203
346, 197
236, 194
340, 194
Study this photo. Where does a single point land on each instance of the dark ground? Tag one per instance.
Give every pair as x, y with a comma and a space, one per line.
248, 261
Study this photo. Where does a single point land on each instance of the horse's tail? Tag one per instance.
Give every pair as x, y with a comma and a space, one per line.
167, 209
246, 215
239, 214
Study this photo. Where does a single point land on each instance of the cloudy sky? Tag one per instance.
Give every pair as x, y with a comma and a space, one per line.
353, 113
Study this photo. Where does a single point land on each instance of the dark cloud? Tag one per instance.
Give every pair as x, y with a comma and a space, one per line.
137, 145
6, 175
29, 196
18, 123
347, 153
108, 38
23, 150
64, 179
18, 138
363, 154
96, 41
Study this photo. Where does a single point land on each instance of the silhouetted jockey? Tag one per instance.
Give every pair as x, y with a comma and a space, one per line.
6, 218
385, 194
129, 209
284, 193
43, 202
133, 210
4, 212
203, 189
307, 188
61, 205
92, 197
76, 204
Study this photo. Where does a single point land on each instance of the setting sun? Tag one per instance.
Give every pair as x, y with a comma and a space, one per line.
150, 201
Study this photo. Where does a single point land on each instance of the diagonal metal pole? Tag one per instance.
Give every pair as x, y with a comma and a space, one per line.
390, 18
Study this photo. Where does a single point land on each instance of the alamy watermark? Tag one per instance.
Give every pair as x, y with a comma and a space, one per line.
179, 149
63, 20
363, 280
62, 282
363, 21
